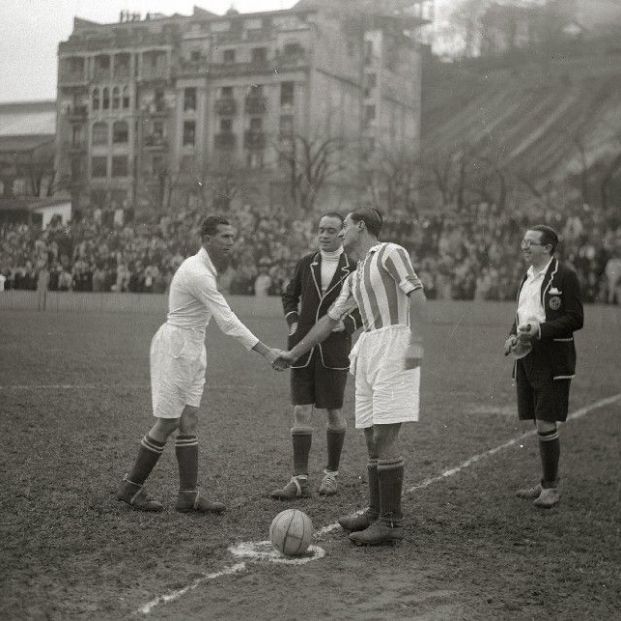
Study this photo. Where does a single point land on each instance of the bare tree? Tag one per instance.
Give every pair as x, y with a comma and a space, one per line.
392, 180
309, 164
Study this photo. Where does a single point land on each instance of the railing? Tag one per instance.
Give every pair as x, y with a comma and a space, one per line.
72, 77
254, 140
75, 146
77, 113
155, 141
226, 106
225, 140
255, 105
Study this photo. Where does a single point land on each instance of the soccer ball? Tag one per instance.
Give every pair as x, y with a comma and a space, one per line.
291, 531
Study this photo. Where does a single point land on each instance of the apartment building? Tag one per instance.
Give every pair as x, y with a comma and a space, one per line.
150, 107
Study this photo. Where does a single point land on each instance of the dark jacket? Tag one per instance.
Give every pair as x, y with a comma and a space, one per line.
561, 299
303, 303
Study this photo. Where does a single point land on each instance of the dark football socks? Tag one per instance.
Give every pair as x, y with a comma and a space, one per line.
390, 476
148, 454
550, 451
374, 494
186, 449
302, 438
335, 439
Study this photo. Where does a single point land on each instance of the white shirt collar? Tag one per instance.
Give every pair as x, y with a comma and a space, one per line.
206, 259
531, 270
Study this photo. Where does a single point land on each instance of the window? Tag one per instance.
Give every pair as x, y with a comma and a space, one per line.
254, 159
292, 49
116, 98
286, 93
100, 133
256, 125
120, 132
255, 90
76, 168
189, 99
125, 97
226, 125
106, 98
99, 167
195, 55
158, 129
189, 131
369, 113
226, 92
286, 125
119, 166
157, 164
95, 98
259, 55
228, 56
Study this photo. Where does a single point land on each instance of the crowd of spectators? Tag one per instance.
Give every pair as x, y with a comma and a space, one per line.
470, 255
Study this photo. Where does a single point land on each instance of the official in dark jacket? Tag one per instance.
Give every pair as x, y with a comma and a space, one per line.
542, 339
318, 379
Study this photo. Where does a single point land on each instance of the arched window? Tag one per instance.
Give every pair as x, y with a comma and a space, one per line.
120, 132
100, 133
106, 98
95, 99
116, 98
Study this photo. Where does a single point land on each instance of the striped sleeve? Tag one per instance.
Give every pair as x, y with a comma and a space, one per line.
397, 263
345, 303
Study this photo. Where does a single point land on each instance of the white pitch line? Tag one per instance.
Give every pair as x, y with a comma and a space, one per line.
169, 597
425, 483
70, 386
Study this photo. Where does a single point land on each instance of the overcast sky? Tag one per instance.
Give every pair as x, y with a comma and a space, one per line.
30, 31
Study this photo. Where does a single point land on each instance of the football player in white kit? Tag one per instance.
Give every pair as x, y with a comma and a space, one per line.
178, 364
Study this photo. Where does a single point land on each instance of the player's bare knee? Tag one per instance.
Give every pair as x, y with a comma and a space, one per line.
188, 421
163, 427
546, 426
302, 415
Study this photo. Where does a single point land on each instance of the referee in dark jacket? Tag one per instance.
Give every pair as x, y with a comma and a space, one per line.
542, 338
319, 377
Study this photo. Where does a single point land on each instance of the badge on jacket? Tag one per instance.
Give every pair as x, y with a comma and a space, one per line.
554, 303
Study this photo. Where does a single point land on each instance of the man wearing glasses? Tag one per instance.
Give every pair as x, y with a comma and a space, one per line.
541, 339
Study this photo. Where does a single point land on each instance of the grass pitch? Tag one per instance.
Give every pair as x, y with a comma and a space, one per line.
75, 401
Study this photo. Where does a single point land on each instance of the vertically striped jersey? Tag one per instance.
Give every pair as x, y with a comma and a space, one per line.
379, 288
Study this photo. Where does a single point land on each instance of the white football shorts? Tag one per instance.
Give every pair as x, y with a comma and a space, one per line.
386, 393
178, 365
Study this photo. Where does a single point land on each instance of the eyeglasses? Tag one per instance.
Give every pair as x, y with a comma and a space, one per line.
525, 244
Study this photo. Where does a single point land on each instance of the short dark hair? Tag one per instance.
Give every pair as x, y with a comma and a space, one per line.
371, 217
210, 225
548, 235
332, 214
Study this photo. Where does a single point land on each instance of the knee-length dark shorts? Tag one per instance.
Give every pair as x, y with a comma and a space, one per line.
318, 386
541, 398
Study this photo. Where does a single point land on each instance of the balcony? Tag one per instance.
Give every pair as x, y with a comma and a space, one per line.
155, 108
102, 74
77, 114
155, 141
188, 66
72, 77
74, 147
225, 140
227, 106
122, 72
254, 140
291, 60
255, 105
